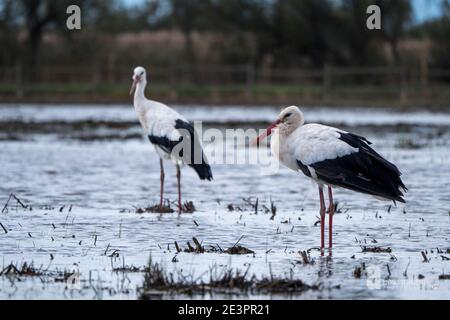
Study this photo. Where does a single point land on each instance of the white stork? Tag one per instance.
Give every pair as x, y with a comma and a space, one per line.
171, 134
334, 158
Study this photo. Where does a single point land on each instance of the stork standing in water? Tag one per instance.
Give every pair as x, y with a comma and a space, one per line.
333, 158
171, 134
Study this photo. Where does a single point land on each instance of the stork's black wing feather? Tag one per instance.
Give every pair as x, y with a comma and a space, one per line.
191, 153
364, 171
164, 143
196, 159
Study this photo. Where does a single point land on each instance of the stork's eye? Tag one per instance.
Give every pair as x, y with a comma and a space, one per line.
142, 73
287, 115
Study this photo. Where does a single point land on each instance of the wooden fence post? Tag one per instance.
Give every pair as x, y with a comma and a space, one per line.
19, 80
172, 83
250, 79
111, 68
327, 82
424, 74
96, 78
403, 89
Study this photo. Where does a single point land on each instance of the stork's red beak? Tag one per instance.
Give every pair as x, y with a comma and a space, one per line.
266, 133
136, 79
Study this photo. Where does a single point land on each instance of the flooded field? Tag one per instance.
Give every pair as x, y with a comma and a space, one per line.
79, 174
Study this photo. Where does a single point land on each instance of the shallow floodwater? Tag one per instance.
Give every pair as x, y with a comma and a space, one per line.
82, 171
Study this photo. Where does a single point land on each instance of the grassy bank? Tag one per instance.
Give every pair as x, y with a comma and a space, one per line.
436, 97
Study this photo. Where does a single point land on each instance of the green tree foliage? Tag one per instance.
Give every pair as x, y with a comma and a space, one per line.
358, 46
8, 33
439, 32
303, 32
32, 17
247, 23
289, 33
189, 16
396, 18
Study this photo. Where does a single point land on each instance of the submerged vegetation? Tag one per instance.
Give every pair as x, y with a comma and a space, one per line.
223, 281
186, 207
376, 249
199, 248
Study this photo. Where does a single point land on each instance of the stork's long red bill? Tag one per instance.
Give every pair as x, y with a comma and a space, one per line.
266, 133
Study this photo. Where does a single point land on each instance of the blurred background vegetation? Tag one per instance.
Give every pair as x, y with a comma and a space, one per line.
226, 52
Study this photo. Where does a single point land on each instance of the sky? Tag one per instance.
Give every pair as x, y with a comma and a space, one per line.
423, 9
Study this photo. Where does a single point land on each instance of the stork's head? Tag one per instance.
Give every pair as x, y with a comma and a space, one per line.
289, 119
139, 75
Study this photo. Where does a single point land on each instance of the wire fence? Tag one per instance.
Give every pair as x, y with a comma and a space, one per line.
397, 82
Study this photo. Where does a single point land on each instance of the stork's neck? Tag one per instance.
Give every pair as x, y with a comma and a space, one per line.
285, 130
139, 93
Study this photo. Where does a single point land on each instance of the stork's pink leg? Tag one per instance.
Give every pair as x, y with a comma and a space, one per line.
330, 216
322, 218
179, 188
161, 197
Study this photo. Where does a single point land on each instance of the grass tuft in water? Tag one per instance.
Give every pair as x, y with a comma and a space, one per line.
199, 248
158, 282
376, 249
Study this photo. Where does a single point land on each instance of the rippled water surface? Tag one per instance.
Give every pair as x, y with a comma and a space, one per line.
84, 170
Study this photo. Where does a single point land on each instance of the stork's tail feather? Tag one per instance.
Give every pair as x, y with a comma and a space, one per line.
380, 179
385, 177
389, 187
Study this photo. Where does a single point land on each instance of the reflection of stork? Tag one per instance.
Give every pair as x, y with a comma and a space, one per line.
172, 135
334, 158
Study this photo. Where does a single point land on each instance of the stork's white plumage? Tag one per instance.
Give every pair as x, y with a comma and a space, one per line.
332, 157
171, 134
